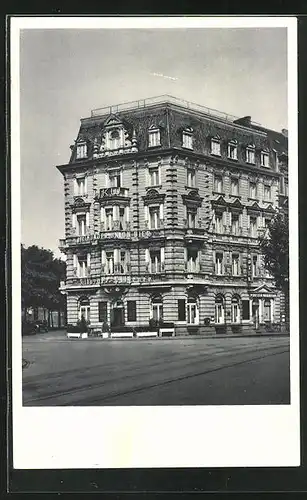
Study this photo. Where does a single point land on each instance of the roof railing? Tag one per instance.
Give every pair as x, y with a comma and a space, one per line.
151, 101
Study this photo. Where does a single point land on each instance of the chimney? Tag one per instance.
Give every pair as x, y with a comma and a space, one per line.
245, 121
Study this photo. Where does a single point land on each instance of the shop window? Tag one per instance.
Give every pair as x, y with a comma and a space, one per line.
219, 309
192, 311
131, 310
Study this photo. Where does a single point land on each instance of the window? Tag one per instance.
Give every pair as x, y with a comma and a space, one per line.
267, 192
121, 217
218, 263
110, 262
215, 147
109, 219
264, 159
219, 223
192, 260
255, 265
154, 219
252, 190
253, 227
181, 310
114, 179
235, 224
103, 311
154, 137
155, 261
82, 266
234, 186
235, 265
191, 177
80, 186
218, 183
245, 310
191, 217
157, 309
81, 151
187, 139
192, 310
235, 310
154, 177
219, 309
232, 151
250, 154
267, 310
81, 224
123, 261
131, 310
282, 185
114, 139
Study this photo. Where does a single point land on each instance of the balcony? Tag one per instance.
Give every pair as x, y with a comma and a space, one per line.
113, 192
148, 234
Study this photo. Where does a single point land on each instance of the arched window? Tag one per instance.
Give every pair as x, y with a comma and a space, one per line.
84, 308
114, 139
219, 309
157, 308
192, 311
235, 309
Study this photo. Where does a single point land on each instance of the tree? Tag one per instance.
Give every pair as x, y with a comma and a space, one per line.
275, 249
41, 274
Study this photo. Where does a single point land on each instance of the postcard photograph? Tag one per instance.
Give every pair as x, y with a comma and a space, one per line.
154, 182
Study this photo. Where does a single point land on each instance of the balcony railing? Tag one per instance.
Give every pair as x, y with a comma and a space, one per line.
109, 192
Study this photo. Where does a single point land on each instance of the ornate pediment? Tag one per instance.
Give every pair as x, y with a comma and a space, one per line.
153, 196
263, 290
115, 139
254, 206
79, 203
269, 208
236, 204
192, 198
219, 200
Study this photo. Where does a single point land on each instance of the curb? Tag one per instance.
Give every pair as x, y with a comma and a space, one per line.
182, 337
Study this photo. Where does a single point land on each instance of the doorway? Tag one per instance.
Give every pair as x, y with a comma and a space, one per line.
118, 314
255, 312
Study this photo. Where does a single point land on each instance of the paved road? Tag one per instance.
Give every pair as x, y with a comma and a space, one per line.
251, 370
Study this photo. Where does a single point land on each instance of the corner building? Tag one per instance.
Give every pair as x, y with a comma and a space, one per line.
164, 203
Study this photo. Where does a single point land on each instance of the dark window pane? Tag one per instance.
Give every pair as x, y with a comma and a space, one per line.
245, 309
181, 310
131, 304
103, 315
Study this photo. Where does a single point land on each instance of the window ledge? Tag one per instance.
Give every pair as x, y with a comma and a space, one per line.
192, 187
155, 186
253, 199
232, 159
235, 196
155, 146
187, 147
215, 154
220, 193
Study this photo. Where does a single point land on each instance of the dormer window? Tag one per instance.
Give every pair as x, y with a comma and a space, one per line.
81, 150
153, 137
250, 154
187, 138
216, 146
264, 159
232, 150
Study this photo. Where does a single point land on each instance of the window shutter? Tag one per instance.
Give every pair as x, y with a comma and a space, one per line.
116, 256
88, 260
181, 310
162, 254
185, 256
103, 260
161, 211
146, 213
103, 311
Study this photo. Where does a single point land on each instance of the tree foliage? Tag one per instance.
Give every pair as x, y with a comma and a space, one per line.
275, 249
41, 274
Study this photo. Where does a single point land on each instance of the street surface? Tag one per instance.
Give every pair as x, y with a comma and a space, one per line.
187, 371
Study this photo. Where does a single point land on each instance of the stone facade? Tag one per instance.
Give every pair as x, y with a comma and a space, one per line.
164, 205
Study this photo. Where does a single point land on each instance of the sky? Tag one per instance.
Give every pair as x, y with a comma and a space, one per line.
66, 73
